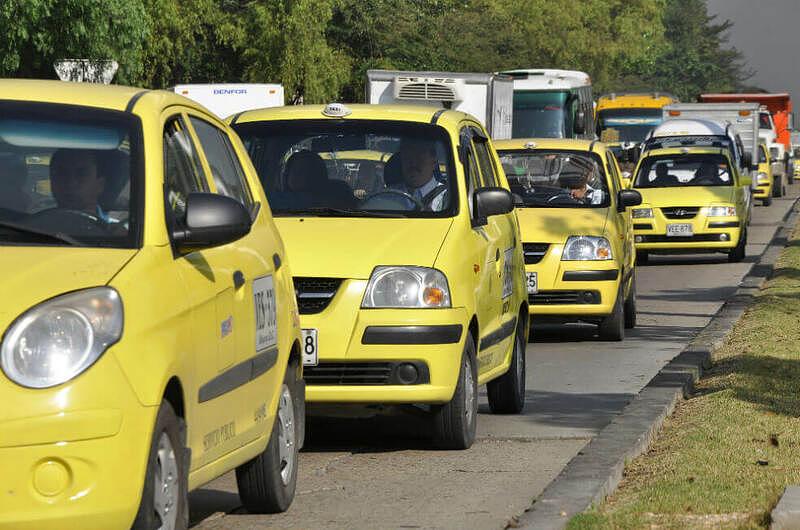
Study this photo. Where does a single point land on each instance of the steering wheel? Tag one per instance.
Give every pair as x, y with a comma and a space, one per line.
417, 203
564, 197
68, 221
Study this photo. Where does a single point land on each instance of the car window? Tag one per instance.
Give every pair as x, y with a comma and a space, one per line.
672, 171
69, 171
222, 161
360, 168
485, 161
183, 173
556, 179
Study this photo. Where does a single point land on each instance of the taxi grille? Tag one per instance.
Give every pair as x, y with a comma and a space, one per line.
314, 294
370, 373
534, 252
564, 297
697, 238
680, 212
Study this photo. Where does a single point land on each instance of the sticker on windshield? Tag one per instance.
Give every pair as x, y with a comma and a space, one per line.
266, 313
508, 273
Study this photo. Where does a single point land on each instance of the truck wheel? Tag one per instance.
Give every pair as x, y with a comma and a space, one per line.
767, 201
737, 254
777, 187
507, 393
267, 482
165, 496
612, 327
630, 306
454, 422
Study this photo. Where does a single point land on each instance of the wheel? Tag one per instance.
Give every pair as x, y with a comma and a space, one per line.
642, 257
612, 327
267, 482
507, 393
454, 422
630, 306
165, 496
767, 201
777, 187
738, 253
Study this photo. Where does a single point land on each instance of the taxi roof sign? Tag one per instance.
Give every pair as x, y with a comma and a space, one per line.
336, 110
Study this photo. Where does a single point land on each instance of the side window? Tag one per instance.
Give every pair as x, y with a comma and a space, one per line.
222, 160
485, 161
470, 165
183, 173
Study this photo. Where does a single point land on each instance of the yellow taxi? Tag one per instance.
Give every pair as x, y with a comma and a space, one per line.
764, 181
150, 336
693, 201
413, 293
577, 239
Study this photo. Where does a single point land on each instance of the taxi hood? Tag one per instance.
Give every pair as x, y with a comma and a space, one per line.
687, 196
338, 247
555, 225
34, 274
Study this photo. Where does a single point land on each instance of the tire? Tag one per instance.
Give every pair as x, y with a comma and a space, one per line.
507, 393
739, 251
165, 503
612, 327
642, 257
767, 201
454, 422
777, 187
267, 483
630, 306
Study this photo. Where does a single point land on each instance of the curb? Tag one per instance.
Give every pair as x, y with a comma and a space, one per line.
786, 515
596, 471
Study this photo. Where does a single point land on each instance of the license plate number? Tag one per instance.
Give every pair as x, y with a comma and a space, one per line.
309, 337
679, 230
533, 283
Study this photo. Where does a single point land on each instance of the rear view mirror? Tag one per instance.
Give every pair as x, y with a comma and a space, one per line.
491, 201
211, 220
745, 180
580, 122
628, 198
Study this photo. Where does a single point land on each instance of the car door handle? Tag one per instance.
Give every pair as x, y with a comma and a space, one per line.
238, 279
276, 260
497, 255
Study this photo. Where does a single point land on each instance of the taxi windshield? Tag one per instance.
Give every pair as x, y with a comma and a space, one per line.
359, 168
673, 171
555, 179
626, 125
69, 176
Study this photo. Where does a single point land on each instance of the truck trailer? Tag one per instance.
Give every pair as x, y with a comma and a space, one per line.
227, 99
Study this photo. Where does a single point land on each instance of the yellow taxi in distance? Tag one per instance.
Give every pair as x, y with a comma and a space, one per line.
765, 181
693, 200
576, 231
150, 337
413, 293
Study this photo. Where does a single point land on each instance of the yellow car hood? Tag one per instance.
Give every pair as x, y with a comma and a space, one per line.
351, 247
34, 274
687, 196
555, 225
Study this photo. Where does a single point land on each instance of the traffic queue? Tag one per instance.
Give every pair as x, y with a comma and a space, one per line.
183, 289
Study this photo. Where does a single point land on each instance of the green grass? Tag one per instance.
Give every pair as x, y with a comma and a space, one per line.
724, 457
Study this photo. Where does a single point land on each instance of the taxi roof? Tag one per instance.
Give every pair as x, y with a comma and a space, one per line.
360, 111
567, 144
689, 127
689, 149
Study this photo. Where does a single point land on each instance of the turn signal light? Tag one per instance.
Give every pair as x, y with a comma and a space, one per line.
433, 296
744, 113
674, 113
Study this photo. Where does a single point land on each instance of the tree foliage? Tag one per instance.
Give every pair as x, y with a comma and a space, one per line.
320, 49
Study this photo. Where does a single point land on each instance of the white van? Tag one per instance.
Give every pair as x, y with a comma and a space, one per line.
227, 99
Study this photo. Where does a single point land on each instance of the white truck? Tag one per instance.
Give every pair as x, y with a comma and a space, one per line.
488, 97
227, 99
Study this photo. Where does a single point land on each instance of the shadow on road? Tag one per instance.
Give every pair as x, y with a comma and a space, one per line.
713, 294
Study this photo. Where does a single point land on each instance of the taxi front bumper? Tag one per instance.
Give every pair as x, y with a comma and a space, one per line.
708, 234
762, 191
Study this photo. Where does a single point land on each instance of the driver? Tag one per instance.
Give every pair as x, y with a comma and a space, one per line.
77, 182
418, 161
580, 190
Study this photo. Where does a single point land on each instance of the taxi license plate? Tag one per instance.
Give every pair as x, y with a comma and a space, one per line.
679, 230
533, 283
309, 337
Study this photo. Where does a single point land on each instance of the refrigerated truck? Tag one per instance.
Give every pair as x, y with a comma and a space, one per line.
227, 99
488, 97
552, 104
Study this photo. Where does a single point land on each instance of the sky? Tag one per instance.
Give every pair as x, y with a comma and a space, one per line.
768, 33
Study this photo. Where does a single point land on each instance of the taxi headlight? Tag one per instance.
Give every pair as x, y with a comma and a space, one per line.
406, 287
762, 178
57, 340
641, 213
586, 248
722, 211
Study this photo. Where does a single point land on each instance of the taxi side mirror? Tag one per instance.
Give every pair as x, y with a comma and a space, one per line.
628, 198
580, 122
211, 220
745, 180
491, 201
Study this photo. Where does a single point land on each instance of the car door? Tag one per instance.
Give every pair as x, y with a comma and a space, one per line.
251, 265
622, 220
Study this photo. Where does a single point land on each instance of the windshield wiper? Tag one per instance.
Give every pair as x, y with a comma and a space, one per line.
59, 237
327, 210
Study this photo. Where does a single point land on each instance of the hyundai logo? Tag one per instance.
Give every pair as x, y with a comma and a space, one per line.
680, 212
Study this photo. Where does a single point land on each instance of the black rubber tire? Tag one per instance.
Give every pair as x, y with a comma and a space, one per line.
166, 422
506, 394
739, 251
260, 486
767, 201
453, 428
777, 187
630, 306
612, 327
642, 257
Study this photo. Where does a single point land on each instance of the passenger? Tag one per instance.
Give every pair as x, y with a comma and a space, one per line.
13, 180
663, 178
708, 173
76, 181
418, 162
306, 173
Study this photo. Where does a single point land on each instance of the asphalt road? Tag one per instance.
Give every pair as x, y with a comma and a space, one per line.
381, 472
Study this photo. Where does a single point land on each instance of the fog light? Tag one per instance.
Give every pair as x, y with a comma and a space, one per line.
407, 374
51, 478
588, 297
724, 237
638, 239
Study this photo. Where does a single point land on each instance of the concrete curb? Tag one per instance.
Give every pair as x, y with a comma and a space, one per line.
786, 515
596, 471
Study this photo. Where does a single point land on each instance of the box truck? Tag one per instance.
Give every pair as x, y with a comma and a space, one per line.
227, 99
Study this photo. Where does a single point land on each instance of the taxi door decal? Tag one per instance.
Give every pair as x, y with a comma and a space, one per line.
265, 313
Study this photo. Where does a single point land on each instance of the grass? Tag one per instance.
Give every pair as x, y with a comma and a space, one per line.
724, 457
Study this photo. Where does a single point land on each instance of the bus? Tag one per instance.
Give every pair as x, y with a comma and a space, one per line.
624, 119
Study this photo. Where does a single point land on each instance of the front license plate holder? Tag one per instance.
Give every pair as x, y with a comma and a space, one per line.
310, 352
680, 230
